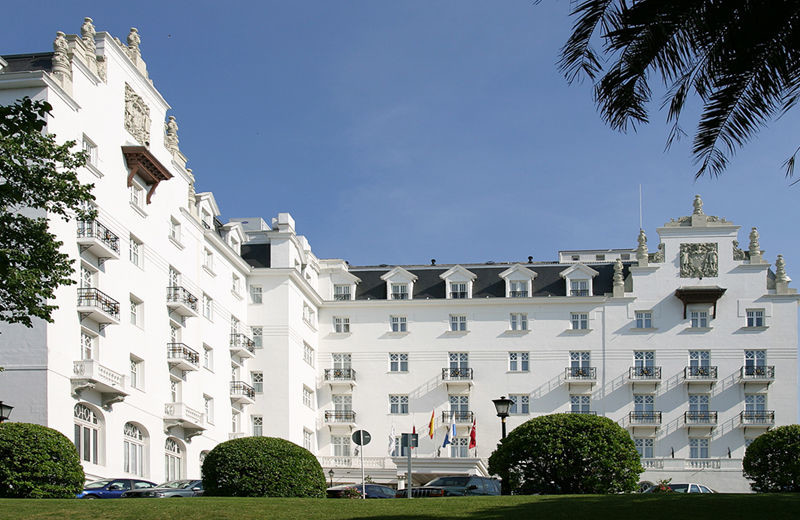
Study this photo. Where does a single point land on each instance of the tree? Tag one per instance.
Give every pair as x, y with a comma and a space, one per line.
37, 180
772, 461
567, 453
739, 57
262, 467
38, 462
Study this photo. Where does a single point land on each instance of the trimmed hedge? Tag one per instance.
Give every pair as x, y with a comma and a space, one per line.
772, 461
262, 467
38, 462
567, 453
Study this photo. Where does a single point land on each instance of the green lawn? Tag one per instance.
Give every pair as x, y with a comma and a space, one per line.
574, 507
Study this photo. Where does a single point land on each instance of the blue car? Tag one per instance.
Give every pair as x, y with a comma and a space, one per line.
113, 487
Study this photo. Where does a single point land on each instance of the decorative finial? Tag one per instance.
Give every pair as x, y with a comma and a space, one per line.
698, 205
133, 41
618, 280
87, 35
755, 248
780, 270
641, 250
60, 57
171, 136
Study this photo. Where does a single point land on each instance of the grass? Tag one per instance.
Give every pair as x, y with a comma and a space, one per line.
569, 507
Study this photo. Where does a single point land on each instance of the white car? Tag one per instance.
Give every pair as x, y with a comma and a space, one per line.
682, 488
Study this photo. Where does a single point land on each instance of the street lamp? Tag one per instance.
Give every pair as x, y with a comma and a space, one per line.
330, 474
502, 405
5, 411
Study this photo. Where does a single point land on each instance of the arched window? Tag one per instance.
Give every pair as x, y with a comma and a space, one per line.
133, 449
173, 459
87, 433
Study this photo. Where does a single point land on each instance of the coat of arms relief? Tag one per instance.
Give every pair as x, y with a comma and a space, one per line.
699, 260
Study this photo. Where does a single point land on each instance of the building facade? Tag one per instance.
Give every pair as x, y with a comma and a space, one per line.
183, 332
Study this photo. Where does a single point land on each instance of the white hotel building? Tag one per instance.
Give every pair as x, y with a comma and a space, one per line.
184, 332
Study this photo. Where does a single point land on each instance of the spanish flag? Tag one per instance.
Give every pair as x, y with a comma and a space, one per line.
430, 425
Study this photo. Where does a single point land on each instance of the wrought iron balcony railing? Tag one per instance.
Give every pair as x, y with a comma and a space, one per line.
581, 373
340, 374
340, 416
457, 416
579, 292
177, 294
758, 372
241, 342
457, 374
645, 417
700, 373
700, 417
92, 297
644, 373
518, 294
583, 412
183, 352
240, 388
94, 229
757, 417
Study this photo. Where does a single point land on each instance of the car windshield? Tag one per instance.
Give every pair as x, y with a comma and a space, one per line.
97, 484
449, 481
176, 484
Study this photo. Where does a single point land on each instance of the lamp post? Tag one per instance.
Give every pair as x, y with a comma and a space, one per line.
502, 405
5, 411
330, 474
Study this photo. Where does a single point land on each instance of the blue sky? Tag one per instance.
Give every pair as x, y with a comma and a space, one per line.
396, 132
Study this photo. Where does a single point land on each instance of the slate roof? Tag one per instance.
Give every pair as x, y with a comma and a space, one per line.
28, 62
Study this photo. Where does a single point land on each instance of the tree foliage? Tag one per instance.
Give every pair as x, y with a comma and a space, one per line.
739, 57
262, 467
38, 179
38, 462
567, 453
772, 461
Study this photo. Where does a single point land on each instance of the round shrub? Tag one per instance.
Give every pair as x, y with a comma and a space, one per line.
38, 462
772, 461
567, 453
262, 467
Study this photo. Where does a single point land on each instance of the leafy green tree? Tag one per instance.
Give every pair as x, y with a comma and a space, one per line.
739, 57
772, 461
567, 453
38, 179
262, 467
38, 462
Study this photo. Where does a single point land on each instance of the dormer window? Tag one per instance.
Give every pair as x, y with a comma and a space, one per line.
458, 290
518, 289
519, 281
341, 292
579, 288
458, 282
400, 291
578, 278
399, 284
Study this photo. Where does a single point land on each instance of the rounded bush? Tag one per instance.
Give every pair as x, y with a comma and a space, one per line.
772, 461
262, 467
38, 462
567, 453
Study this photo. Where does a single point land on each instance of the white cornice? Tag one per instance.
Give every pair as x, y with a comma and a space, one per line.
290, 272
466, 302
36, 78
401, 273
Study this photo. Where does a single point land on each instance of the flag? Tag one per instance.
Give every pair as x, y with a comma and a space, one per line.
430, 425
451, 431
391, 443
473, 442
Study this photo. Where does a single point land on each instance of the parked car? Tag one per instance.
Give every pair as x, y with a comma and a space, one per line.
373, 491
683, 488
113, 487
171, 489
454, 486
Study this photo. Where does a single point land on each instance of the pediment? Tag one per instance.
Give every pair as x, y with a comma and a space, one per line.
518, 272
578, 268
459, 274
398, 274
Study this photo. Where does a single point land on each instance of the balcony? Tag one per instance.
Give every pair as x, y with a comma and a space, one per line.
97, 306
702, 464
700, 375
242, 393
457, 378
644, 419
97, 239
340, 377
757, 419
181, 301
184, 416
757, 374
644, 376
583, 412
340, 417
700, 419
458, 417
242, 346
88, 374
580, 377
182, 357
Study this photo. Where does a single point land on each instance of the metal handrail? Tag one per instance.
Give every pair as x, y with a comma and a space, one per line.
457, 416
757, 417
341, 416
700, 417
700, 372
645, 417
457, 374
93, 297
757, 372
340, 374
644, 373
178, 294
242, 388
581, 372
239, 340
94, 229
182, 351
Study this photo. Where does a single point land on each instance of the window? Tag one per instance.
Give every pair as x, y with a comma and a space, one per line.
173, 459
398, 404
755, 362
698, 409
256, 295
699, 319
135, 251
580, 321
459, 407
580, 364
308, 397
576, 258
579, 403
208, 307
518, 361
399, 324
133, 450
699, 363
625, 256
258, 381
341, 325
645, 447
519, 321
208, 408
208, 357
399, 291
174, 277
136, 311
137, 195
309, 316
236, 284
87, 433
258, 337
175, 230
755, 317
458, 290
398, 362
459, 364
644, 363
341, 292
458, 323
643, 406
599, 258
342, 406
308, 354
341, 448
579, 288
518, 289
644, 319
308, 439
235, 422
208, 260
91, 151
87, 278
174, 390
137, 380
520, 404
87, 346
258, 425
459, 447
698, 448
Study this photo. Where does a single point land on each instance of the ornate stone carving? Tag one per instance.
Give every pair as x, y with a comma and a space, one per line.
171, 135
658, 256
780, 271
698, 205
133, 44
137, 116
699, 260
755, 248
61, 65
738, 254
87, 35
618, 280
641, 249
